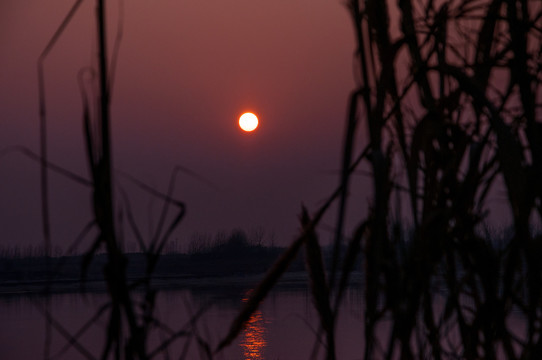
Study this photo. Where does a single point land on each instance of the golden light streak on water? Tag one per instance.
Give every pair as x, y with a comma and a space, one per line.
253, 341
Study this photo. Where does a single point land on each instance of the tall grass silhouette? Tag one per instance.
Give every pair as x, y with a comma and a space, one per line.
130, 317
449, 100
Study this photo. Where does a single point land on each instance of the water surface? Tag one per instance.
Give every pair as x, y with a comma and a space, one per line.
284, 327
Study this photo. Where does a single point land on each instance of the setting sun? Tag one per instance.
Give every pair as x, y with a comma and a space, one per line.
248, 122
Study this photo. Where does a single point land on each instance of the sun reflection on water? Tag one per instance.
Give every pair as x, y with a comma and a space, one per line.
253, 341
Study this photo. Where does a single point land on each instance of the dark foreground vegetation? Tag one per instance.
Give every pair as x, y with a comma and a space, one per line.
446, 113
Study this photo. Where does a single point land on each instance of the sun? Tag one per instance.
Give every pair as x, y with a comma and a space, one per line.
248, 122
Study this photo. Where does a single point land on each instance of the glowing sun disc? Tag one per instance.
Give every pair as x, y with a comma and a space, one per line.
248, 122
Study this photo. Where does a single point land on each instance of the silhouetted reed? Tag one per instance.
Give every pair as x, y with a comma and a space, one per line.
131, 317
448, 101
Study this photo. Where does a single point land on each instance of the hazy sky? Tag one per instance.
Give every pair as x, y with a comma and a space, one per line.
186, 71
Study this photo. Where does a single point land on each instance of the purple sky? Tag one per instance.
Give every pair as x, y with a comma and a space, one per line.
186, 71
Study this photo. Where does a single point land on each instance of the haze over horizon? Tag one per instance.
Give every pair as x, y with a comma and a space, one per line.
185, 73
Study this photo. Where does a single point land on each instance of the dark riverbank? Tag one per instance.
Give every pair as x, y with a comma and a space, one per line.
249, 260
244, 267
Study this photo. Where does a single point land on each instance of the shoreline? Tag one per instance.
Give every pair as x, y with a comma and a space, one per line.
297, 280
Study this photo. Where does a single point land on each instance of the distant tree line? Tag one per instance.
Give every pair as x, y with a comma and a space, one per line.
28, 251
237, 239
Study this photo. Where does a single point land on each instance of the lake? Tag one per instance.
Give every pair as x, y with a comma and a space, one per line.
283, 328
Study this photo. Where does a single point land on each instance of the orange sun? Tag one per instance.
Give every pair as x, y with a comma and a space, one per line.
248, 122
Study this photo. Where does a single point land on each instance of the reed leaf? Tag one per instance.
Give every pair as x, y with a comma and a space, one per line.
318, 283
